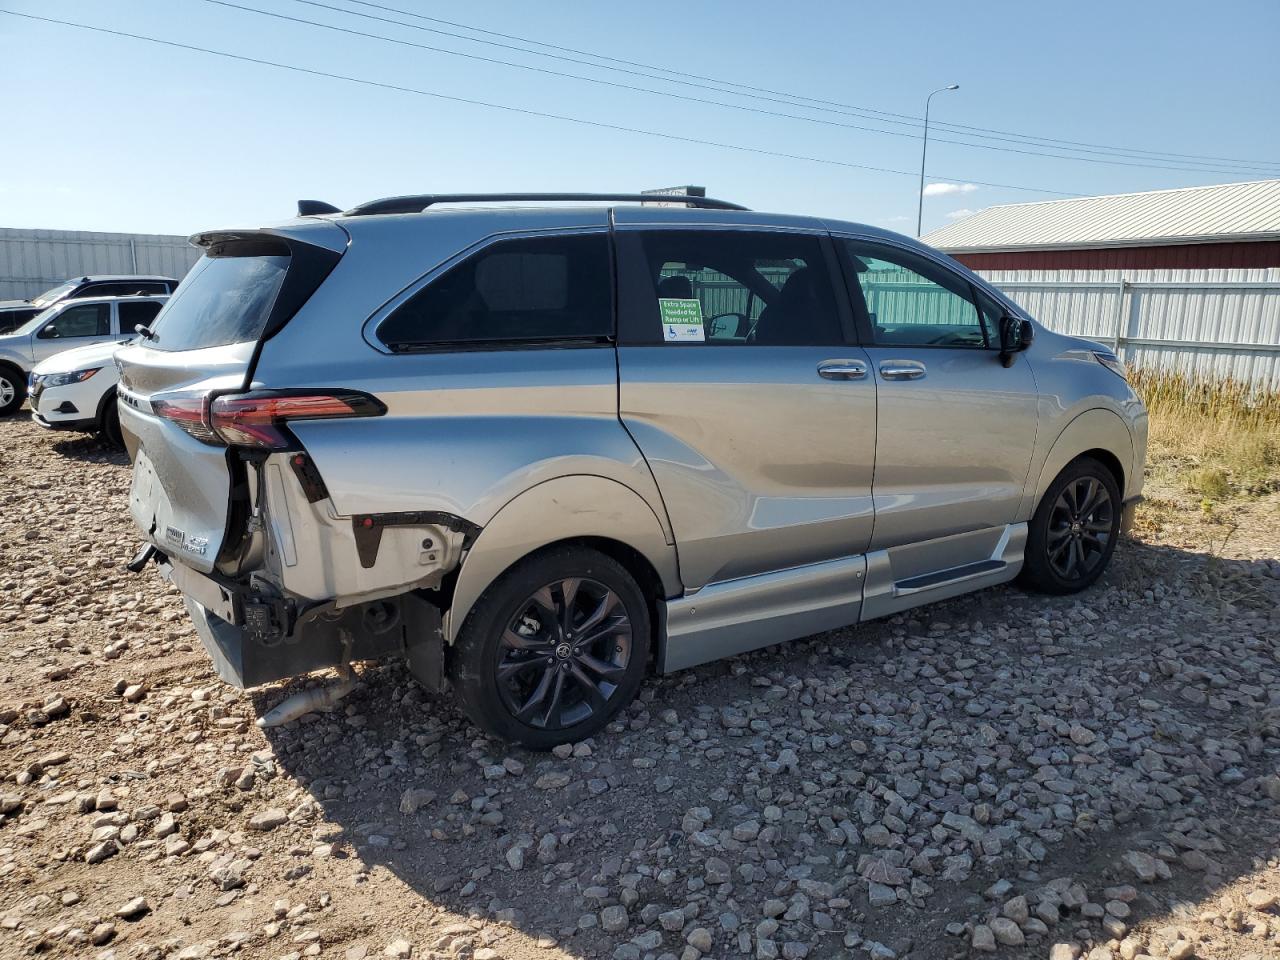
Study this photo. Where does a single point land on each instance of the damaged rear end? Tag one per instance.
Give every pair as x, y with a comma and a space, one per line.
229, 498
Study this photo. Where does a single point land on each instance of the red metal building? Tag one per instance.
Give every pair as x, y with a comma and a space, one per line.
1230, 225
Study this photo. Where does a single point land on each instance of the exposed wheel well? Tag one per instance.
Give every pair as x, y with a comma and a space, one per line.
1108, 460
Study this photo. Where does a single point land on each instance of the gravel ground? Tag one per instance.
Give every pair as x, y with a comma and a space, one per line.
1004, 773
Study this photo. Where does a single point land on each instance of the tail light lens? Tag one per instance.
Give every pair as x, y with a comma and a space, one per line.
190, 412
258, 419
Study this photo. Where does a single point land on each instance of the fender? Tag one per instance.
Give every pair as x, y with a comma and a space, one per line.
582, 505
1094, 429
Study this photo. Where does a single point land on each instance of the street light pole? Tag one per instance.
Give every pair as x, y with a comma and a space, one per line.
924, 151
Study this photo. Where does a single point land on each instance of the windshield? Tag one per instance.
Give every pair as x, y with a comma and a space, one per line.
56, 294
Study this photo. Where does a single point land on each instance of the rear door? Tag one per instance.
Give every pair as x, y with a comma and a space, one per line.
189, 493
737, 381
956, 428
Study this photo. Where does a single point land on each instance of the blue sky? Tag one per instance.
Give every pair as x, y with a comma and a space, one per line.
107, 133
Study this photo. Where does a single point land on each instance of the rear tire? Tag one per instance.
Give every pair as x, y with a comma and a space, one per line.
13, 389
1074, 531
553, 649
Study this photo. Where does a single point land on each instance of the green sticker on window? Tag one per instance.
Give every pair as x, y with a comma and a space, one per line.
681, 321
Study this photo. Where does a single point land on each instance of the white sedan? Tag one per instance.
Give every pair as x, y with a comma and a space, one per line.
76, 390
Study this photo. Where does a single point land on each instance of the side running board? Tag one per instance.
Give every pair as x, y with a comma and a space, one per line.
887, 595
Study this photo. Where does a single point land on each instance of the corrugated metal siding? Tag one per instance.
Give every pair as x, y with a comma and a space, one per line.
1202, 319
1224, 211
32, 261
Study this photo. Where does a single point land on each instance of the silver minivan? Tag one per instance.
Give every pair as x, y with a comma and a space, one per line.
540, 451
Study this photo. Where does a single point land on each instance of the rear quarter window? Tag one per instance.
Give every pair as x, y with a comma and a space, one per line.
522, 290
225, 299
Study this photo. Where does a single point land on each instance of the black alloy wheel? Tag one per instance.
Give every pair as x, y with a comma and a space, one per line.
1080, 528
1073, 533
564, 654
554, 648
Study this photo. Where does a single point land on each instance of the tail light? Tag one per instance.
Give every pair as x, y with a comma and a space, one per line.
190, 412
259, 419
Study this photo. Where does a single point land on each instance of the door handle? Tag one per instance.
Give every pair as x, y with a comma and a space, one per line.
842, 369
901, 369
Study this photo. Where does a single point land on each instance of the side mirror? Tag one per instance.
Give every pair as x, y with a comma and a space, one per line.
1015, 335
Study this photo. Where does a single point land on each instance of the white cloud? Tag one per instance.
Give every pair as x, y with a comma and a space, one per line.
947, 189
960, 214
902, 219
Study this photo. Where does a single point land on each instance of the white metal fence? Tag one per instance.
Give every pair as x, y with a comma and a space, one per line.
32, 261
1210, 323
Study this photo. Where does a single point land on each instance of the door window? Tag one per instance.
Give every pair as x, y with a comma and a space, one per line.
908, 301
132, 314
11, 320
82, 320
727, 287
531, 289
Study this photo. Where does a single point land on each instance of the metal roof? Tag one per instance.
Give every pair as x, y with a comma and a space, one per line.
1213, 214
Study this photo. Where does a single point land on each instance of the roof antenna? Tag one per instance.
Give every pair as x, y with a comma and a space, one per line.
315, 208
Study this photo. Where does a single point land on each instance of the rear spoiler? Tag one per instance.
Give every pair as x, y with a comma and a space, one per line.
324, 234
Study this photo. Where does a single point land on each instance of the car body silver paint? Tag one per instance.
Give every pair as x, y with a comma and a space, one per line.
180, 494
768, 525
762, 463
568, 507
744, 614
959, 564
181, 487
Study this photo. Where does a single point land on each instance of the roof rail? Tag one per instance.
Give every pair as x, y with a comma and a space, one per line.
420, 202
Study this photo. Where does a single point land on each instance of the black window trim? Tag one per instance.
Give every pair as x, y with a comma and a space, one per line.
630, 327
862, 319
375, 321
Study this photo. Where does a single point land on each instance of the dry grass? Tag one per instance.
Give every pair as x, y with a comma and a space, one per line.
1219, 438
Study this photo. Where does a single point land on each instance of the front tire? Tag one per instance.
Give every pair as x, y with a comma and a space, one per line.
1074, 530
109, 424
553, 649
13, 389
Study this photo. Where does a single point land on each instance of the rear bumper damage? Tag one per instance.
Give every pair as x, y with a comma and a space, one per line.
254, 637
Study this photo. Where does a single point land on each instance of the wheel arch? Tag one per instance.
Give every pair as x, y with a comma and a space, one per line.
1097, 433
592, 510
1108, 460
16, 371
